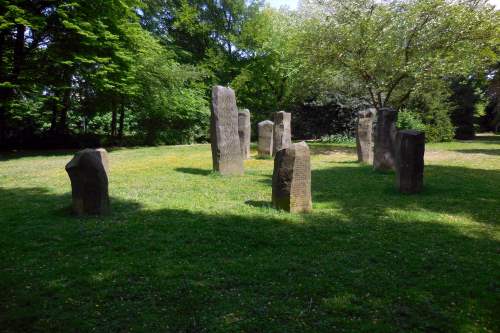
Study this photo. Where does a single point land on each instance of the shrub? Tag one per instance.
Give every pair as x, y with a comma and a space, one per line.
338, 138
410, 120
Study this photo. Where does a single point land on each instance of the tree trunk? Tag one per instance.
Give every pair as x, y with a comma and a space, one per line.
18, 52
122, 119
113, 118
53, 119
66, 104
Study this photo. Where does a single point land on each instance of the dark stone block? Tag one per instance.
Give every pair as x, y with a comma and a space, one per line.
292, 179
410, 161
88, 172
384, 141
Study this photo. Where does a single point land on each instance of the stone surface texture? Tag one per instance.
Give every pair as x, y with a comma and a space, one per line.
384, 140
265, 147
226, 151
88, 172
292, 179
364, 137
282, 134
410, 149
244, 131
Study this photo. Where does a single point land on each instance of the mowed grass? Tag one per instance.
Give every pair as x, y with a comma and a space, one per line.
186, 250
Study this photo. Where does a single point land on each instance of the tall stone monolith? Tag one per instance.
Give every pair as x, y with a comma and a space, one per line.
226, 151
88, 172
265, 147
244, 131
282, 133
364, 137
384, 140
410, 149
292, 179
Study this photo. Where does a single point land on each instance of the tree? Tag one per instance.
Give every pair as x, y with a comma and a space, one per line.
391, 48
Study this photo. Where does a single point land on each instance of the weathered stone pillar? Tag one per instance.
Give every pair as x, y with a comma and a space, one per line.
282, 136
88, 172
384, 141
265, 148
244, 131
364, 137
410, 149
292, 179
225, 141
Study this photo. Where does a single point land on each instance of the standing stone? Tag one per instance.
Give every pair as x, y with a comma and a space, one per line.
244, 130
88, 172
364, 137
384, 142
282, 137
410, 151
292, 179
265, 138
226, 151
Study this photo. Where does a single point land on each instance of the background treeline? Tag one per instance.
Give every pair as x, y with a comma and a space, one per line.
81, 73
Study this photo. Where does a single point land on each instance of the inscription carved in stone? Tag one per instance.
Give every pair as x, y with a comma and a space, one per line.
364, 137
226, 151
244, 131
265, 147
292, 179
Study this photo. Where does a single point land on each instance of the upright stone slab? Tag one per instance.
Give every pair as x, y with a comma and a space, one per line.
410, 149
384, 141
265, 148
88, 172
282, 136
292, 179
244, 130
226, 152
364, 137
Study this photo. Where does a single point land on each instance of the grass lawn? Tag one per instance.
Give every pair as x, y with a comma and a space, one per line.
185, 250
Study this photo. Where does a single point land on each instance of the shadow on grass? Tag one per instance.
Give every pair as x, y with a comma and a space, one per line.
383, 265
195, 171
259, 204
495, 152
447, 190
13, 155
325, 149
17, 154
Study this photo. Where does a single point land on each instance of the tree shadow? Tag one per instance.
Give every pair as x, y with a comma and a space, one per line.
447, 190
495, 152
327, 148
259, 204
192, 271
195, 171
489, 138
14, 155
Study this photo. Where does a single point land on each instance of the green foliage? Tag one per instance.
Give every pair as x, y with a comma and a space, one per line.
409, 120
440, 128
338, 138
145, 68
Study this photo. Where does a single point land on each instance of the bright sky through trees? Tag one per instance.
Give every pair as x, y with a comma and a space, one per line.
293, 3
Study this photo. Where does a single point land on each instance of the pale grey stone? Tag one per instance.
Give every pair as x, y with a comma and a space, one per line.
244, 131
282, 136
226, 152
265, 147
